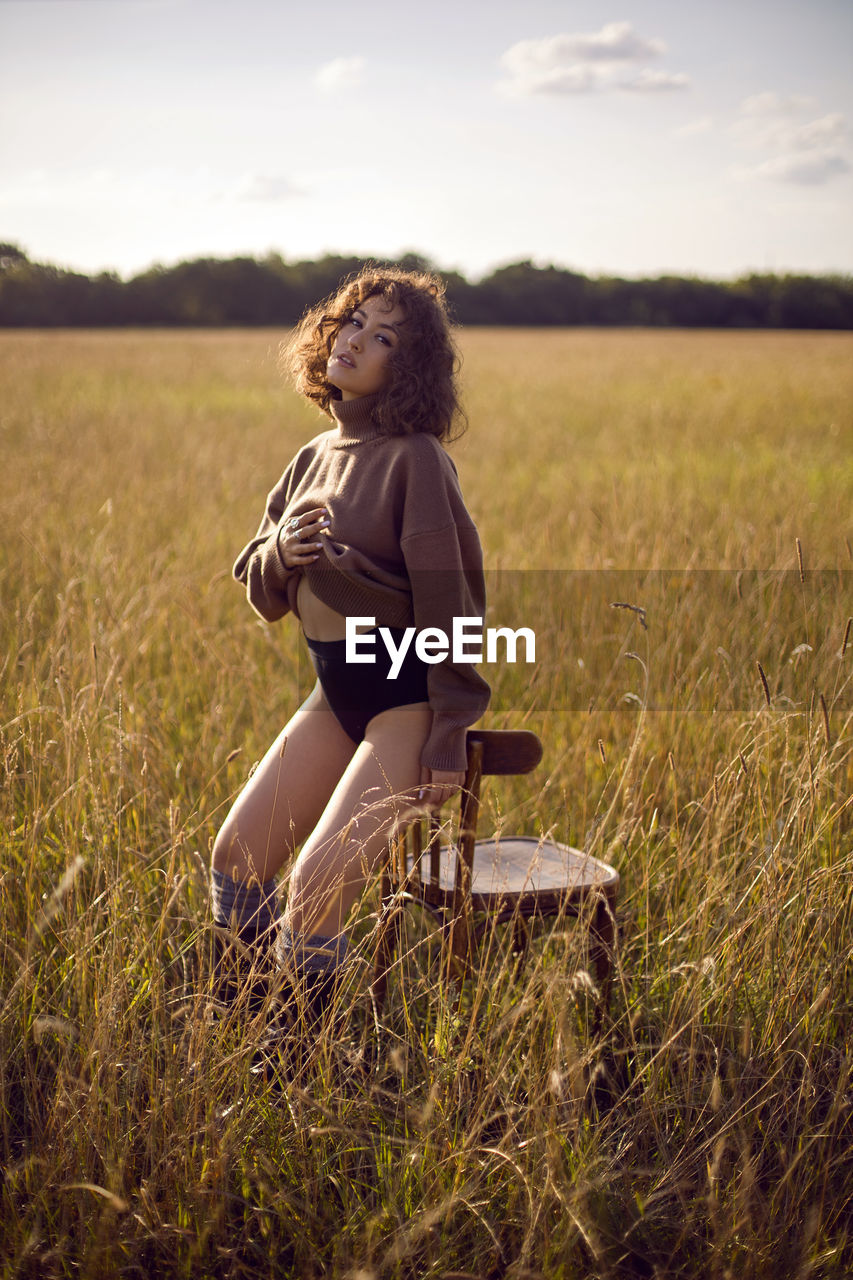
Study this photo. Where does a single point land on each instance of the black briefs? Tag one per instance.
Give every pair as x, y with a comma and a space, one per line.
356, 691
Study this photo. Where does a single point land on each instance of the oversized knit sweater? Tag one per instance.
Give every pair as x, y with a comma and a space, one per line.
401, 548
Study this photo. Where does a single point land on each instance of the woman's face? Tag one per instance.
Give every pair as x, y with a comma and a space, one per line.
358, 363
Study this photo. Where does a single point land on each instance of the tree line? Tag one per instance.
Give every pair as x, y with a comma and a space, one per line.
273, 291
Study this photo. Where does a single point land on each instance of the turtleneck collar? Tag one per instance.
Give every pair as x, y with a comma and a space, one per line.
355, 419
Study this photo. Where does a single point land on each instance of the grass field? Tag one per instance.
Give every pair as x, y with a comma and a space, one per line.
707, 1130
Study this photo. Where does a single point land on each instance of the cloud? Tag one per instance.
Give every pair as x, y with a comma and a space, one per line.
776, 104
801, 150
649, 81
615, 42
585, 62
535, 68
809, 169
264, 188
340, 74
818, 133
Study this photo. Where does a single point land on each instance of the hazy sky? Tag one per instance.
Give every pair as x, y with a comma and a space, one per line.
707, 136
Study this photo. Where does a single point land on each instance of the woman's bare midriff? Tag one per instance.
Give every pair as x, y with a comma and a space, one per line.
319, 622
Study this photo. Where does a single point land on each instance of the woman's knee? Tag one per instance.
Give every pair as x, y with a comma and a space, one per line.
251, 842
230, 855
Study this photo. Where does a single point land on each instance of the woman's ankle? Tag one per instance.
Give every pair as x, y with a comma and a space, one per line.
248, 908
312, 953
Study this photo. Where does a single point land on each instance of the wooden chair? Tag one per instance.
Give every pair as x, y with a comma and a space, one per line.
509, 879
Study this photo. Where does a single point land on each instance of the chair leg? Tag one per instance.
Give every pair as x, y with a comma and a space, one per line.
388, 930
520, 943
601, 954
459, 946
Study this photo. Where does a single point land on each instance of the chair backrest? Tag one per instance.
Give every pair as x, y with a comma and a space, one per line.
492, 753
505, 751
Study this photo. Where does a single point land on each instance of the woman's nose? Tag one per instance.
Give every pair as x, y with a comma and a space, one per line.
354, 340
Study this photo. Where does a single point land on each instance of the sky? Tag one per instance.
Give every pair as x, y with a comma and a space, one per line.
638, 137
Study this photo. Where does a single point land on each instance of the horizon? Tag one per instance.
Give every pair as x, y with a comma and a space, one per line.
439, 268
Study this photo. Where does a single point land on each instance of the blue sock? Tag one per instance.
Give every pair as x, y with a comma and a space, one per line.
313, 953
249, 908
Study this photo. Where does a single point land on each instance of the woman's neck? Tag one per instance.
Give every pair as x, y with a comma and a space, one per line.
355, 418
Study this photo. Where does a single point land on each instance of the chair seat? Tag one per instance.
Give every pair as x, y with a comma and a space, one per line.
522, 870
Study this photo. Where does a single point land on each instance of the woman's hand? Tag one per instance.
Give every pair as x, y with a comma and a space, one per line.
296, 537
438, 785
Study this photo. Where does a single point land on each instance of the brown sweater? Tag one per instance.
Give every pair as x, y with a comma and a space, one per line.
401, 547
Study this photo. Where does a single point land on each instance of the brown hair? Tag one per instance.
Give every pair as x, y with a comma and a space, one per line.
421, 392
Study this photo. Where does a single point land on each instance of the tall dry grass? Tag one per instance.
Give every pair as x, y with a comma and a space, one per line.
707, 1129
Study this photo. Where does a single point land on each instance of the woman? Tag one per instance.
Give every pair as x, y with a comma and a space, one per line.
367, 522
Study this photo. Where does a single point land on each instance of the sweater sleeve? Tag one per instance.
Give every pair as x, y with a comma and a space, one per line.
260, 566
444, 561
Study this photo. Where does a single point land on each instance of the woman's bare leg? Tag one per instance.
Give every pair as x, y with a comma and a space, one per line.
377, 788
285, 796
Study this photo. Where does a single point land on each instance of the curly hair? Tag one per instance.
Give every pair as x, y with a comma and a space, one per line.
421, 391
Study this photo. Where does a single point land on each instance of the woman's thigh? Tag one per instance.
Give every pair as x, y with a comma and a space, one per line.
376, 791
287, 793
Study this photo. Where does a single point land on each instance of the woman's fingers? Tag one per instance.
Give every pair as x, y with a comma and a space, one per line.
438, 786
435, 797
311, 524
296, 553
308, 523
299, 545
